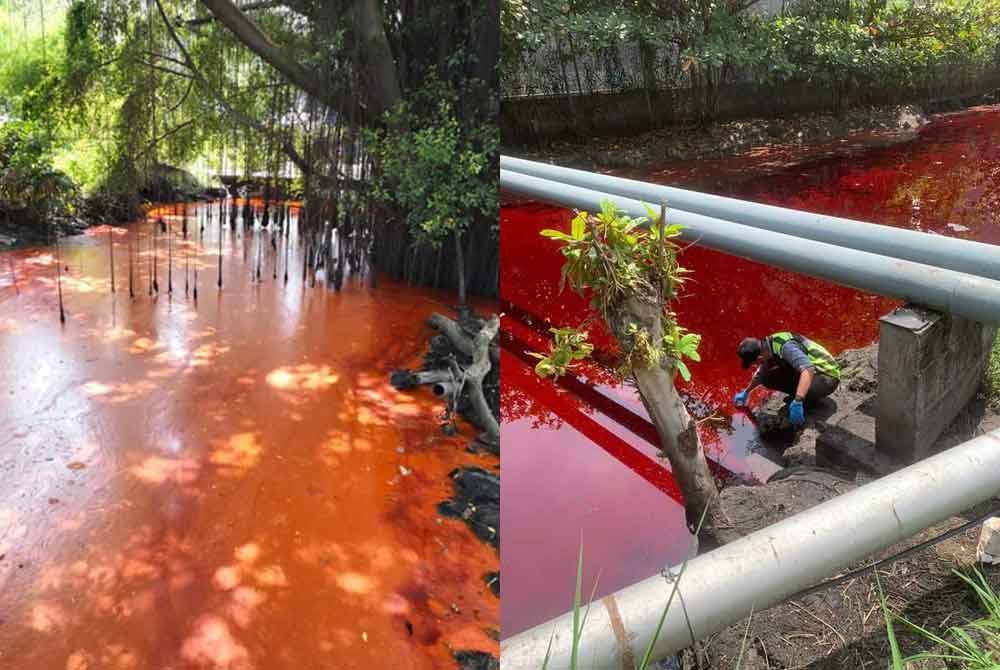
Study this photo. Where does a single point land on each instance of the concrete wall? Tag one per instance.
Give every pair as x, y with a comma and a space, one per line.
930, 366
537, 118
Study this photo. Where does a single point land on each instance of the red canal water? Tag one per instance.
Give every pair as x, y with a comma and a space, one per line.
579, 457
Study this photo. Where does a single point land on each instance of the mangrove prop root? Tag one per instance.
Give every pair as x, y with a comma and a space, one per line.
461, 359
111, 256
461, 340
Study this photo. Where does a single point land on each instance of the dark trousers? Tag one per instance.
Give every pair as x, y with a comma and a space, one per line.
786, 379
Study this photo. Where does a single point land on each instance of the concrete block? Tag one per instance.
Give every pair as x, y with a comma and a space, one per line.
929, 366
852, 448
988, 550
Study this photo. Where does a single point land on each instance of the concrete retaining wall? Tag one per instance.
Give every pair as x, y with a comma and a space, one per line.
537, 118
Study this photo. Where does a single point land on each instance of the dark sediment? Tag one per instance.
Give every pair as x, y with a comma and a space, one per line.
726, 138
476, 501
492, 580
476, 660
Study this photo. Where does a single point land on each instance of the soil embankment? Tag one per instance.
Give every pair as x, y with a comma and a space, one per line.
797, 138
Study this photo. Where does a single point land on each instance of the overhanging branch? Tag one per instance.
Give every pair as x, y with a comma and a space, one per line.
249, 7
257, 41
286, 145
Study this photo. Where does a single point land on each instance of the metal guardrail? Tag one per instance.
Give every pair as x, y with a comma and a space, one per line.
951, 253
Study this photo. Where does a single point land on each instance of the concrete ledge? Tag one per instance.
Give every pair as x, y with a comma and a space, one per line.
930, 366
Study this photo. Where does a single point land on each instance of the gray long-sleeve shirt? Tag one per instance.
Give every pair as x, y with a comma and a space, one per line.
793, 354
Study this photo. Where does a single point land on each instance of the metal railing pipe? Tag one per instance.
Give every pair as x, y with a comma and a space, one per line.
940, 289
721, 587
966, 256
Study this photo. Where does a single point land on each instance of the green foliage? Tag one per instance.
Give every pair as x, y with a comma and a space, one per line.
620, 262
568, 345
28, 181
991, 384
844, 44
433, 168
970, 646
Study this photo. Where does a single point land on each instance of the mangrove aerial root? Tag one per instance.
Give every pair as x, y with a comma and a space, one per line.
460, 367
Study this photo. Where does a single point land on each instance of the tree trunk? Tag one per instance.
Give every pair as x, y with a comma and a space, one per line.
377, 64
247, 32
647, 54
677, 430
460, 267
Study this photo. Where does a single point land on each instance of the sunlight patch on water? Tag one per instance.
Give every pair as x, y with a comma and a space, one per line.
355, 583
213, 645
304, 377
157, 470
237, 454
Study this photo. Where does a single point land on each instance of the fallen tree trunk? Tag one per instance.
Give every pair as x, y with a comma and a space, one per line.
474, 375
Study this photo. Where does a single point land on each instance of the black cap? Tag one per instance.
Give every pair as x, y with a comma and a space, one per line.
748, 351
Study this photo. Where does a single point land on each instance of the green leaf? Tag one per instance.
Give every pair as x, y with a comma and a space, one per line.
897, 657
576, 609
545, 368
683, 369
556, 234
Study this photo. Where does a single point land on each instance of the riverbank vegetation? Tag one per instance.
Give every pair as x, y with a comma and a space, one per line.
845, 46
338, 103
991, 384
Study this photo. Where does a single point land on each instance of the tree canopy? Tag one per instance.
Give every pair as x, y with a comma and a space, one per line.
700, 43
334, 92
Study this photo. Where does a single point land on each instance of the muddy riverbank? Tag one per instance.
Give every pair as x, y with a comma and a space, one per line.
799, 138
229, 481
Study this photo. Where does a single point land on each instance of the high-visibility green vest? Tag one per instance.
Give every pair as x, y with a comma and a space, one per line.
821, 359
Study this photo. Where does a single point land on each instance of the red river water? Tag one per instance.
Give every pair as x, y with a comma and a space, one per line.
230, 483
580, 465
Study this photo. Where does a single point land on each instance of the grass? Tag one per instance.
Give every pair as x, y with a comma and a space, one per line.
991, 385
579, 622
971, 646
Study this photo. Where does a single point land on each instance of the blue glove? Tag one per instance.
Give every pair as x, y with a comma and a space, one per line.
796, 413
741, 399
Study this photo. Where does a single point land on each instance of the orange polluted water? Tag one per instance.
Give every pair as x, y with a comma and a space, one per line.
228, 484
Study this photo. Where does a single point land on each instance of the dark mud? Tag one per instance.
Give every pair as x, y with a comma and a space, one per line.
476, 660
806, 132
476, 501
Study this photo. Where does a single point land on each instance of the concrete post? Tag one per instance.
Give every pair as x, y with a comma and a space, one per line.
930, 365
